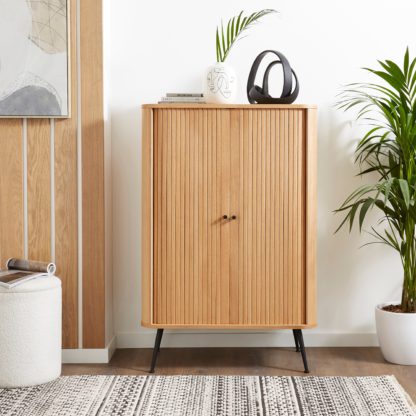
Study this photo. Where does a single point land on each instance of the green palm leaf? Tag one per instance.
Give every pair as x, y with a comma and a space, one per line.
388, 150
226, 37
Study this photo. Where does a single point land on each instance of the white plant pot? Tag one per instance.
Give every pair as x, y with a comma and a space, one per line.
220, 84
396, 335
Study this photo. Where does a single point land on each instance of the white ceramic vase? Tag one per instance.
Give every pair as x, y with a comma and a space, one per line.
396, 335
220, 84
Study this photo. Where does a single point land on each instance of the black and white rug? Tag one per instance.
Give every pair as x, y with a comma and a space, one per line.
209, 395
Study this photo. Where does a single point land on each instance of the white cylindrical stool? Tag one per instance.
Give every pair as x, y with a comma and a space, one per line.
30, 333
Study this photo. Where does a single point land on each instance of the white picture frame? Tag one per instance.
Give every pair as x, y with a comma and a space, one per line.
35, 56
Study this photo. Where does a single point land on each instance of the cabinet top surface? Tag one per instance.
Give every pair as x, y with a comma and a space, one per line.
231, 106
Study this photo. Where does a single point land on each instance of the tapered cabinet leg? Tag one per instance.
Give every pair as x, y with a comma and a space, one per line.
299, 340
296, 340
156, 349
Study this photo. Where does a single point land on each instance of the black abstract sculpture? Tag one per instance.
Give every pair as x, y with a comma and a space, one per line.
260, 95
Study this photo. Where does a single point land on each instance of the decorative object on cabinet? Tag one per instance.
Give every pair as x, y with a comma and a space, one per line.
220, 78
35, 81
260, 95
388, 150
229, 218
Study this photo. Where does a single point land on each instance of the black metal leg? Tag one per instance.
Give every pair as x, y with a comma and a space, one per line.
295, 335
156, 349
299, 336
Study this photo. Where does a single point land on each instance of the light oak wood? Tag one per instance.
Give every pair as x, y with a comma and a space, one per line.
147, 223
66, 204
93, 220
11, 190
229, 106
253, 163
65, 169
311, 214
38, 189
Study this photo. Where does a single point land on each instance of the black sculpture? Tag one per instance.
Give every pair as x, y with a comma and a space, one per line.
256, 94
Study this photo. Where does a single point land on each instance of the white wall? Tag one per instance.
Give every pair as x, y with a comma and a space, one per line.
162, 46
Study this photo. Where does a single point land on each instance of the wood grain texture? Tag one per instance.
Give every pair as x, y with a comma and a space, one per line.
186, 223
39, 189
11, 190
93, 224
311, 214
66, 203
147, 216
230, 106
251, 271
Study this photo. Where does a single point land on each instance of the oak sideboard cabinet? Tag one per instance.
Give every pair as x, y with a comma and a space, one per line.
229, 218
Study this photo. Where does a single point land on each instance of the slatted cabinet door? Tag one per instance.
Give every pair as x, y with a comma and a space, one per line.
268, 198
191, 242
257, 163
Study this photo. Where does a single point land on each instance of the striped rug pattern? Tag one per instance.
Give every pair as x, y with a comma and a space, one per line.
209, 395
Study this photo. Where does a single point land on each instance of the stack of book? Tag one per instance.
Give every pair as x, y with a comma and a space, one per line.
191, 98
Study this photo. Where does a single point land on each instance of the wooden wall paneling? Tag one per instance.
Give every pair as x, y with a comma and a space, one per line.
311, 217
39, 189
93, 224
11, 190
66, 202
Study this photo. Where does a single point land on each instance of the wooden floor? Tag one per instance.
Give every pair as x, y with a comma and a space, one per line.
253, 361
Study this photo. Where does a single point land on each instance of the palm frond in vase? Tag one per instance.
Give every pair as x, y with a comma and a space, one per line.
227, 36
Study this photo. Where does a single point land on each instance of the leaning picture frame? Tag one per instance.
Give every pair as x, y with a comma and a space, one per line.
35, 59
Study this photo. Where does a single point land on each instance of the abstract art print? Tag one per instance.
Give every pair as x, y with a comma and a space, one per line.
34, 57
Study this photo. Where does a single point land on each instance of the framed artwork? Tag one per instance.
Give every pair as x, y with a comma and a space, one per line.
34, 58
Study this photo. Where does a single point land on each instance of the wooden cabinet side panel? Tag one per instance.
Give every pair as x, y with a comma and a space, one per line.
311, 215
147, 204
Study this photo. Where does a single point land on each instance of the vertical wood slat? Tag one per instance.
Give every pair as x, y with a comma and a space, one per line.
93, 221
39, 189
233, 187
311, 214
147, 216
66, 202
11, 190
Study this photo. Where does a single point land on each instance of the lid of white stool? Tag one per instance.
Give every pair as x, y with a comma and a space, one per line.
35, 285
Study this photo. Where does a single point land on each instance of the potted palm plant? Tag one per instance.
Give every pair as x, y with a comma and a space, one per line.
388, 150
220, 79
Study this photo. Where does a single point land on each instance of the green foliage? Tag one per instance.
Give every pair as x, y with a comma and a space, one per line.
226, 38
388, 149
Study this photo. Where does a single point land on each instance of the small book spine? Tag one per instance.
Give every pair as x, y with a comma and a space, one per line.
182, 100
177, 94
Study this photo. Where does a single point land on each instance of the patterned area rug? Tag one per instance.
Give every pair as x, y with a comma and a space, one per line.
209, 395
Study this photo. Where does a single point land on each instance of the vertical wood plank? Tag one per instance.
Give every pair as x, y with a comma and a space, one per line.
66, 202
233, 225
147, 214
311, 214
225, 174
93, 233
39, 189
11, 190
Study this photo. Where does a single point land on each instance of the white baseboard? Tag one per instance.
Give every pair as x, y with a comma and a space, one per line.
90, 356
176, 339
